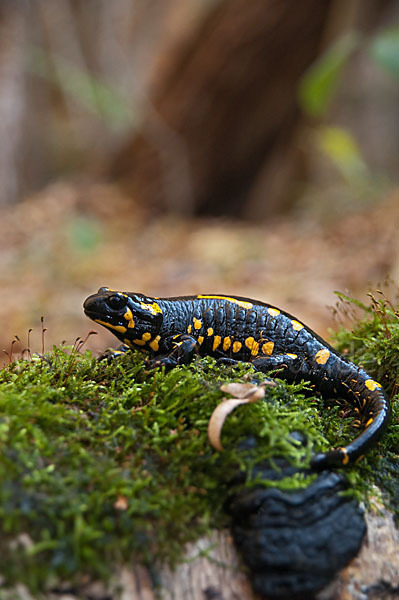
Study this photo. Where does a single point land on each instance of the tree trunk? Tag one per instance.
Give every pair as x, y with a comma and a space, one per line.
224, 113
12, 99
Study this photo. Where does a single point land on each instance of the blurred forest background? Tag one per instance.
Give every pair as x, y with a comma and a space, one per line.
182, 146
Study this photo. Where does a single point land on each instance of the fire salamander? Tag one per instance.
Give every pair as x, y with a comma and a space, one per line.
235, 329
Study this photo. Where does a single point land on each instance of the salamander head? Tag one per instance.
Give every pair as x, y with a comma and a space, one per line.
134, 319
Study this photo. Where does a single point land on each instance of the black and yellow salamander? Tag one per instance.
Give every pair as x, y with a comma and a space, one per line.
235, 329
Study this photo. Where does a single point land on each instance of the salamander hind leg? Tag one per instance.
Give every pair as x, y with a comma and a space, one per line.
281, 364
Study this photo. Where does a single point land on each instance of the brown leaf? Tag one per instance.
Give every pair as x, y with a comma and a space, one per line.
121, 503
246, 393
244, 390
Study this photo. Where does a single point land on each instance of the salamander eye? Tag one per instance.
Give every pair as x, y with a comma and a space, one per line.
116, 302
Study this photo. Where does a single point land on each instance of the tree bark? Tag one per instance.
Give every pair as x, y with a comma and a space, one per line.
12, 99
223, 114
212, 570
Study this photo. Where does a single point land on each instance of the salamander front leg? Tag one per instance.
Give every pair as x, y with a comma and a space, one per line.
224, 360
180, 350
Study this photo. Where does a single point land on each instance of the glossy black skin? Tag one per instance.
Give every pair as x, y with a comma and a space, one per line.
173, 330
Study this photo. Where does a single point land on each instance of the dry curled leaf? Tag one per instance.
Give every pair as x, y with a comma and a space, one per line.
244, 390
121, 503
245, 393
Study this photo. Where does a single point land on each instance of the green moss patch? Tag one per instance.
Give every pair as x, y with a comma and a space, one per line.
374, 343
102, 464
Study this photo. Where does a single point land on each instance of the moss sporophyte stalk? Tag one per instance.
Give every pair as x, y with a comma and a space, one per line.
106, 463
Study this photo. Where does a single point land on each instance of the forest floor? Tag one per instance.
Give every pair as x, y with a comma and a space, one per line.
64, 243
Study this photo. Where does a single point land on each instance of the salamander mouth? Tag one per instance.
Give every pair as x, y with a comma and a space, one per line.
91, 310
93, 314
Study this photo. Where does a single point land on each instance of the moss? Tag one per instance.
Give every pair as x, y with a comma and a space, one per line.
373, 343
102, 464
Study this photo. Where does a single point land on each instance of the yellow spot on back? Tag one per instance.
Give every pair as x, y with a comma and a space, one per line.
139, 342
252, 345
369, 421
237, 346
127, 342
226, 343
296, 325
273, 312
131, 324
200, 339
119, 328
249, 342
189, 329
155, 343
216, 342
242, 303
372, 385
268, 348
210, 331
292, 355
322, 356
197, 323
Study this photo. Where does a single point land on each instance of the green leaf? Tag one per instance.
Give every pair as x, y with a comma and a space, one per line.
84, 234
341, 148
384, 49
321, 79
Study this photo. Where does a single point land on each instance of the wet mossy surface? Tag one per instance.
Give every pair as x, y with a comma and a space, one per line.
102, 464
